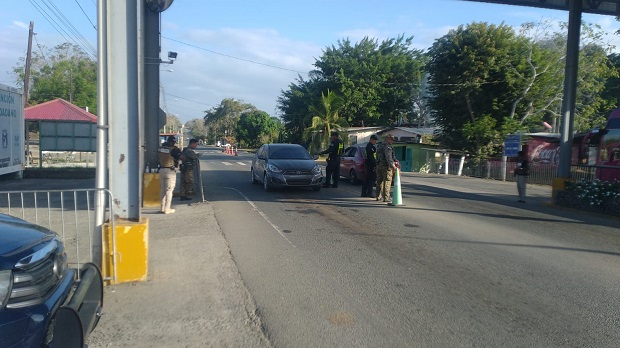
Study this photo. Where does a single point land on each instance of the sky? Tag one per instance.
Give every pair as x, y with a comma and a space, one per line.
252, 50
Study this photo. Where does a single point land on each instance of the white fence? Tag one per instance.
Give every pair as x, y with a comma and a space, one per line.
69, 213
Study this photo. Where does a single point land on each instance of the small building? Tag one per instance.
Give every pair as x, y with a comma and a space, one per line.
58, 126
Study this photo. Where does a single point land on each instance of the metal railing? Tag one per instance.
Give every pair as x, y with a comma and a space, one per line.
542, 174
69, 213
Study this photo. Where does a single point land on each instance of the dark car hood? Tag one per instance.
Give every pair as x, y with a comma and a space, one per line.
16, 234
287, 164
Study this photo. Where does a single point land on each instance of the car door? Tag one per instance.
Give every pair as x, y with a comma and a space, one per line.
258, 164
347, 161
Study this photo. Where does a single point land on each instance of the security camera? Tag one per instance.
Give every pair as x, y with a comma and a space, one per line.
172, 55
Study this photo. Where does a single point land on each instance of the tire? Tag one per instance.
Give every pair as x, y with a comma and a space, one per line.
254, 181
352, 177
266, 183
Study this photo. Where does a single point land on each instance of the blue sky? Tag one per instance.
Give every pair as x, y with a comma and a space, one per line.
220, 42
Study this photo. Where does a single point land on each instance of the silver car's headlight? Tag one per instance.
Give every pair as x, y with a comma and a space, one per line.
316, 169
5, 287
273, 169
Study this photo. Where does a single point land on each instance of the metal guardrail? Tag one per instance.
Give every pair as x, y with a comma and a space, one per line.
69, 213
542, 174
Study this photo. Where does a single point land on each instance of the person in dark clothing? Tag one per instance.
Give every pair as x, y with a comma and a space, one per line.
334, 152
370, 155
522, 170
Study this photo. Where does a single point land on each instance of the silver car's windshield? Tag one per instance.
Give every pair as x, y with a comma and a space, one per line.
297, 153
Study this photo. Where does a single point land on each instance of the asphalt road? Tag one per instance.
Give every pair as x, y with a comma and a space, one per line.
461, 264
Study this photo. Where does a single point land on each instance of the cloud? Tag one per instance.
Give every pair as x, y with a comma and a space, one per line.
22, 25
253, 65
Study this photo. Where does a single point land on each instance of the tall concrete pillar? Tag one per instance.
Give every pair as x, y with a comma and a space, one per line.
123, 108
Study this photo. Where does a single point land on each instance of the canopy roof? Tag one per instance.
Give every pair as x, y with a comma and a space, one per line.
604, 7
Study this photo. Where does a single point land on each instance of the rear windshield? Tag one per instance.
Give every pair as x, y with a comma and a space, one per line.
292, 152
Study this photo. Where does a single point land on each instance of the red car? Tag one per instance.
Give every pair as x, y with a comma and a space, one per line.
352, 164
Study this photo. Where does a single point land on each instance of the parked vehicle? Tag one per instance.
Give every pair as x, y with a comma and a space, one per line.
285, 165
352, 163
41, 302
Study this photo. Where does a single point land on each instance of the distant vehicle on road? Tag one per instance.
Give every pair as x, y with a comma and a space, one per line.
285, 165
218, 144
41, 302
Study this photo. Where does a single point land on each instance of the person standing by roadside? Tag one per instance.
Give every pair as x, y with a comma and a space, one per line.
370, 154
189, 157
334, 151
386, 165
169, 155
522, 170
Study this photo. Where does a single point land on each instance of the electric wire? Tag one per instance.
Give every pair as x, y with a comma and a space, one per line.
91, 22
233, 57
40, 49
67, 23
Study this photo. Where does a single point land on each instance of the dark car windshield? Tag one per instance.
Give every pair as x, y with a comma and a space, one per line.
292, 152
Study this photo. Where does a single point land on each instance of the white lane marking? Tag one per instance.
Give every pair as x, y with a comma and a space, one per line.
227, 163
262, 214
241, 163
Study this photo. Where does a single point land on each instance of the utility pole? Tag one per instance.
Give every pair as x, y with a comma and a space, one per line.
28, 59
26, 83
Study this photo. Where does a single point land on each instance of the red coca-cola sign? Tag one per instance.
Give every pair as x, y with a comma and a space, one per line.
544, 152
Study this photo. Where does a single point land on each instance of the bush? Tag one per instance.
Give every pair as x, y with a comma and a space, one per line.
594, 195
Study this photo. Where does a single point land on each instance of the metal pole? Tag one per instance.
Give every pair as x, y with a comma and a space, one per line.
102, 130
570, 87
151, 86
123, 101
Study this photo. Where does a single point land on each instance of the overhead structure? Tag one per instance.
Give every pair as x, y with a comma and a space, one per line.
575, 9
602, 7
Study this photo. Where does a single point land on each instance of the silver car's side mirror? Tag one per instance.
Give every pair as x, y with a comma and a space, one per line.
315, 157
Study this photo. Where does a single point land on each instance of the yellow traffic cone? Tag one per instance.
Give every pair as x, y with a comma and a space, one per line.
397, 198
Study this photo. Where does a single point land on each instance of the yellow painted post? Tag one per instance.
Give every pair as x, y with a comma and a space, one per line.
128, 261
150, 192
557, 184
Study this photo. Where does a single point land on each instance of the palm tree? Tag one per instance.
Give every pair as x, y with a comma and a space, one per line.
325, 121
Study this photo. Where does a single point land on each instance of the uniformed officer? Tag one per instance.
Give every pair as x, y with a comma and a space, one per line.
169, 155
335, 150
386, 165
189, 157
370, 155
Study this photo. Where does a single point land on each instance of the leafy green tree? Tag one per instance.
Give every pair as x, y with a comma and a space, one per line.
325, 120
173, 124
483, 71
65, 72
255, 128
197, 128
378, 83
222, 119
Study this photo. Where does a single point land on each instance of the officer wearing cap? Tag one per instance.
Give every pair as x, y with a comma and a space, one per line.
370, 156
334, 151
386, 165
169, 156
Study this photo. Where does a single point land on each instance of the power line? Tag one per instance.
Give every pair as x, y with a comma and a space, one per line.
71, 27
189, 100
91, 22
41, 49
233, 57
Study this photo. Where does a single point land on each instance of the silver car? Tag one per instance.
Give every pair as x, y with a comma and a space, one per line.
285, 165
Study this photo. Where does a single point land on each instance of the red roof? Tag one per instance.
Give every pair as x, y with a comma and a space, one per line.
58, 110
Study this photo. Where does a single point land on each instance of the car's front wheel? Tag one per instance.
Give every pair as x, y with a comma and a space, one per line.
266, 185
254, 181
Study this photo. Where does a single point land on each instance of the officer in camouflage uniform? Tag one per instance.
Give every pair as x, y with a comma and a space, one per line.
386, 165
335, 150
169, 156
189, 157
